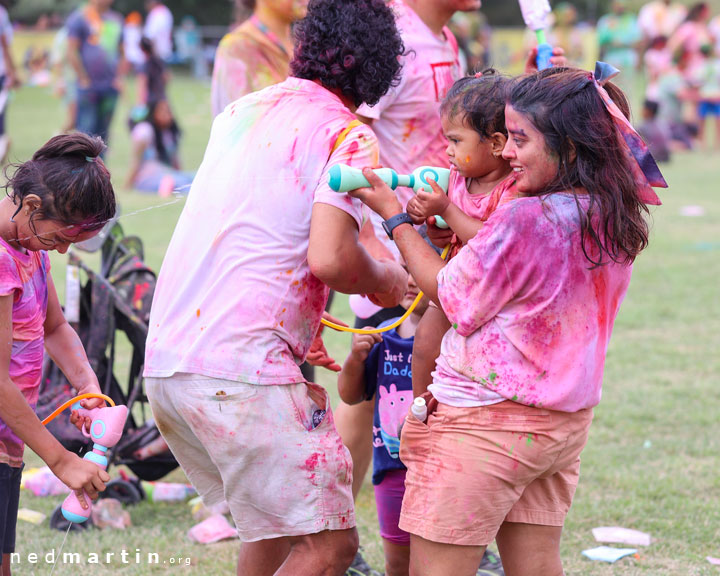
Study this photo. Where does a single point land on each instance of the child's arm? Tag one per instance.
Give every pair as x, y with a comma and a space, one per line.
72, 470
438, 204
351, 381
67, 351
336, 258
426, 348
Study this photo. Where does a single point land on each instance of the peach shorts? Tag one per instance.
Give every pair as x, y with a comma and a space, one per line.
471, 469
257, 448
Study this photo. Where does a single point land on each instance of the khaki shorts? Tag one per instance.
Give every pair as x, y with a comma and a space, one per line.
256, 448
471, 469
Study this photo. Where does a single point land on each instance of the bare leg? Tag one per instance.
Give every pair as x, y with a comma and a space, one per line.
6, 565
435, 559
354, 424
262, 558
426, 348
327, 553
530, 549
397, 559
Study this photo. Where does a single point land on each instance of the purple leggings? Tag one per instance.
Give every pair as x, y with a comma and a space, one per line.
388, 499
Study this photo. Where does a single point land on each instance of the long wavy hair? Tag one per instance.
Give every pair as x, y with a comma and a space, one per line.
566, 108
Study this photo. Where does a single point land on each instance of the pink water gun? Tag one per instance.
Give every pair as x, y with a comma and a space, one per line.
106, 429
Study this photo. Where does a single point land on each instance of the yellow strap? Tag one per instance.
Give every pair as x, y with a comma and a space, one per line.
77, 399
341, 137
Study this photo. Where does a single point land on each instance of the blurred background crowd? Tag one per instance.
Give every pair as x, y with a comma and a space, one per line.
668, 53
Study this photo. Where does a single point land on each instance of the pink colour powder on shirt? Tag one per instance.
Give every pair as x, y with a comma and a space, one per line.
531, 317
24, 275
235, 297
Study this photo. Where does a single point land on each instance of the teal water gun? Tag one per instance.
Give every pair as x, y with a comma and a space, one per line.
344, 178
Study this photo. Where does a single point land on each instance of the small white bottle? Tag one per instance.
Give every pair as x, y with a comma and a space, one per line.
419, 409
72, 294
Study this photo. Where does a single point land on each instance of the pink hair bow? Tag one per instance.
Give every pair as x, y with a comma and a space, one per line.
644, 168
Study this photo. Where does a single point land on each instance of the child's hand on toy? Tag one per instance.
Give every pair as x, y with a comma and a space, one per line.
78, 475
557, 59
318, 354
379, 197
88, 404
440, 237
362, 344
432, 203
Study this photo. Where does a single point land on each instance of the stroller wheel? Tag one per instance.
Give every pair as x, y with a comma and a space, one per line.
59, 522
125, 491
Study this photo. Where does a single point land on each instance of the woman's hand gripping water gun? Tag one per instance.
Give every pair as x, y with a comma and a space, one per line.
345, 178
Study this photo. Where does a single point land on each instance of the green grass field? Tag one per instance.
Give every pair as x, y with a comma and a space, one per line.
652, 460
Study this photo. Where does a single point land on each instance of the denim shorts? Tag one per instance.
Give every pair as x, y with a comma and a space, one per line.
9, 501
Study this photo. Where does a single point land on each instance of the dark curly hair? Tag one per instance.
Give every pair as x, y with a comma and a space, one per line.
566, 108
479, 101
349, 45
71, 180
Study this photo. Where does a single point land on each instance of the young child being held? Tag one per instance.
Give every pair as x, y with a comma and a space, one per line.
379, 366
61, 196
533, 298
473, 121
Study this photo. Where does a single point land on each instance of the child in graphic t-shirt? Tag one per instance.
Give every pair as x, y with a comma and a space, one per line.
378, 366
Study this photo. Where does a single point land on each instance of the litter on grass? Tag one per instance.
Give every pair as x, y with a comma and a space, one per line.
692, 211
212, 529
713, 561
619, 535
608, 554
32, 516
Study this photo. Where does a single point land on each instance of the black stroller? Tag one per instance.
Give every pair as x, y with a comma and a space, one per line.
117, 298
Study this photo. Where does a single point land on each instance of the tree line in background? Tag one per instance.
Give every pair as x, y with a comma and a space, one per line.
220, 12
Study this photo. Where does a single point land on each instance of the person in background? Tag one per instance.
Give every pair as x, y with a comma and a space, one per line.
257, 53
709, 96
152, 76
566, 33
619, 38
159, 28
657, 60
692, 38
155, 162
131, 40
660, 18
8, 75
655, 134
95, 51
64, 83
674, 95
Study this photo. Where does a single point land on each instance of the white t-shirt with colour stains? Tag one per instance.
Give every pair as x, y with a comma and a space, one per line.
235, 297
